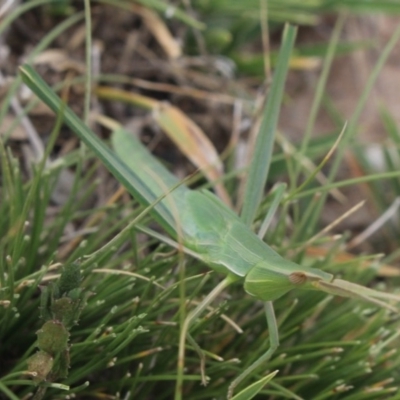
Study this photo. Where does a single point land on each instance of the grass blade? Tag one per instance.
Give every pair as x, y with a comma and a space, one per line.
261, 161
255, 388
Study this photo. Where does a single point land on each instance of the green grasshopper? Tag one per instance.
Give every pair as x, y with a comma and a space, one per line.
207, 227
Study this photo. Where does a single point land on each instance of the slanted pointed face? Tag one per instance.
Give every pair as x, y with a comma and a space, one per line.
269, 282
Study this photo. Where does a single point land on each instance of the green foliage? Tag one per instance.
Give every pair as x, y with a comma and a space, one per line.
40, 365
126, 343
61, 302
52, 337
69, 280
128, 333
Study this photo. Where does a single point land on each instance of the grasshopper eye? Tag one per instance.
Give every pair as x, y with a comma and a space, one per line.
298, 278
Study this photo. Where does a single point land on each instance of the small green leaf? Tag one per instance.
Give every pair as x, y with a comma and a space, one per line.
63, 310
41, 364
70, 278
44, 303
61, 365
53, 337
255, 388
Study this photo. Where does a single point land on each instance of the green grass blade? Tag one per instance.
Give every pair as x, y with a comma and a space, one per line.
320, 89
261, 161
255, 388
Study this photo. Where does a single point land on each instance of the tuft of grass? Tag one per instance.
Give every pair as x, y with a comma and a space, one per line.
126, 343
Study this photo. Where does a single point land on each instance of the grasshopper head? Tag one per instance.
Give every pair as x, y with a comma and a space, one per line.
269, 282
